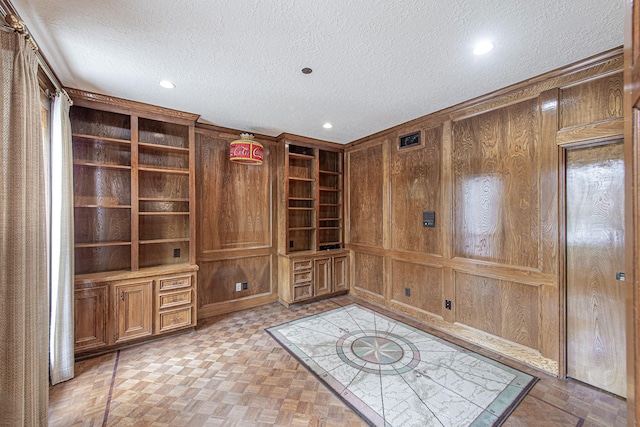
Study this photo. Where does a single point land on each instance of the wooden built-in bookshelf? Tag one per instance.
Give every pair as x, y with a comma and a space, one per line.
313, 262
134, 220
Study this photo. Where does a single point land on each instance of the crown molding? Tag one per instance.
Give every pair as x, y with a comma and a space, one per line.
78, 96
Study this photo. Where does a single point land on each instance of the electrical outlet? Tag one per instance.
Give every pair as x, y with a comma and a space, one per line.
176, 253
407, 292
447, 304
245, 286
238, 287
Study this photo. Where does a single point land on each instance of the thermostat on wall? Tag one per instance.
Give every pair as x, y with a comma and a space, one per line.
429, 219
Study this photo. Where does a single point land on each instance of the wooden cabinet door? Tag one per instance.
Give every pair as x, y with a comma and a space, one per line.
341, 273
90, 318
322, 276
133, 310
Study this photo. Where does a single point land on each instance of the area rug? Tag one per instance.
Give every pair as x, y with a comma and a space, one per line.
393, 374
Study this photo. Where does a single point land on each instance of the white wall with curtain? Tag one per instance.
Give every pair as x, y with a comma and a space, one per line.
61, 334
24, 296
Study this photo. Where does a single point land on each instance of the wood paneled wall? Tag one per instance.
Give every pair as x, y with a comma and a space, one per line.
491, 169
496, 156
364, 222
236, 213
416, 173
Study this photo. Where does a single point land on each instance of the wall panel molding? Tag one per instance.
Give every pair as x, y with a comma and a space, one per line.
424, 283
217, 279
365, 195
416, 187
497, 251
236, 216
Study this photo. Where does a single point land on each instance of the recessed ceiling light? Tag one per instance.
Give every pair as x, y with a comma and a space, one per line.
167, 84
307, 70
483, 47
327, 125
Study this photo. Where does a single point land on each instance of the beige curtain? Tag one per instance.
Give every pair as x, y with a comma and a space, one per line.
24, 301
61, 336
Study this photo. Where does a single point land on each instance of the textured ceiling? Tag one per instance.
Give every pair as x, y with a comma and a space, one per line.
376, 63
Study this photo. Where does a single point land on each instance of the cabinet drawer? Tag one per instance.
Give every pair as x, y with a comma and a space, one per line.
175, 282
174, 319
302, 292
303, 276
305, 264
173, 299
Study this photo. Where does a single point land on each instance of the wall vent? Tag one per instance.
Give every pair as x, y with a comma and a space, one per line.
410, 140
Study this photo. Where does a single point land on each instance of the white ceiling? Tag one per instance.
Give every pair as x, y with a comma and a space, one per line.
376, 63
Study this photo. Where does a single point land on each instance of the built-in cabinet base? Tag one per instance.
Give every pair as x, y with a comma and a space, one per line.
120, 308
308, 276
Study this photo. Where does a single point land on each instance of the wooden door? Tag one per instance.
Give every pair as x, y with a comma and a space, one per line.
596, 351
90, 318
632, 225
133, 308
341, 273
322, 276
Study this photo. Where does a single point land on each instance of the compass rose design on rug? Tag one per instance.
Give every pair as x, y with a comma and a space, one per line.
377, 350
377, 353
393, 374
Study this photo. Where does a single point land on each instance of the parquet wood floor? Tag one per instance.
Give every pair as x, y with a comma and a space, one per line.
230, 372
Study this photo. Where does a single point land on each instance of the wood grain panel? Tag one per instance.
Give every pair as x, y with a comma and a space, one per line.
158, 158
133, 308
100, 186
366, 195
591, 132
102, 258
87, 121
97, 151
416, 187
477, 302
520, 310
160, 185
552, 293
496, 186
503, 308
163, 133
341, 273
136, 182
632, 41
156, 254
592, 101
632, 205
235, 200
164, 227
322, 279
217, 279
369, 272
424, 283
90, 318
147, 206
595, 252
102, 225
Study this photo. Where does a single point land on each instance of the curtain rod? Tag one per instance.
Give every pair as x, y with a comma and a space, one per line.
15, 24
